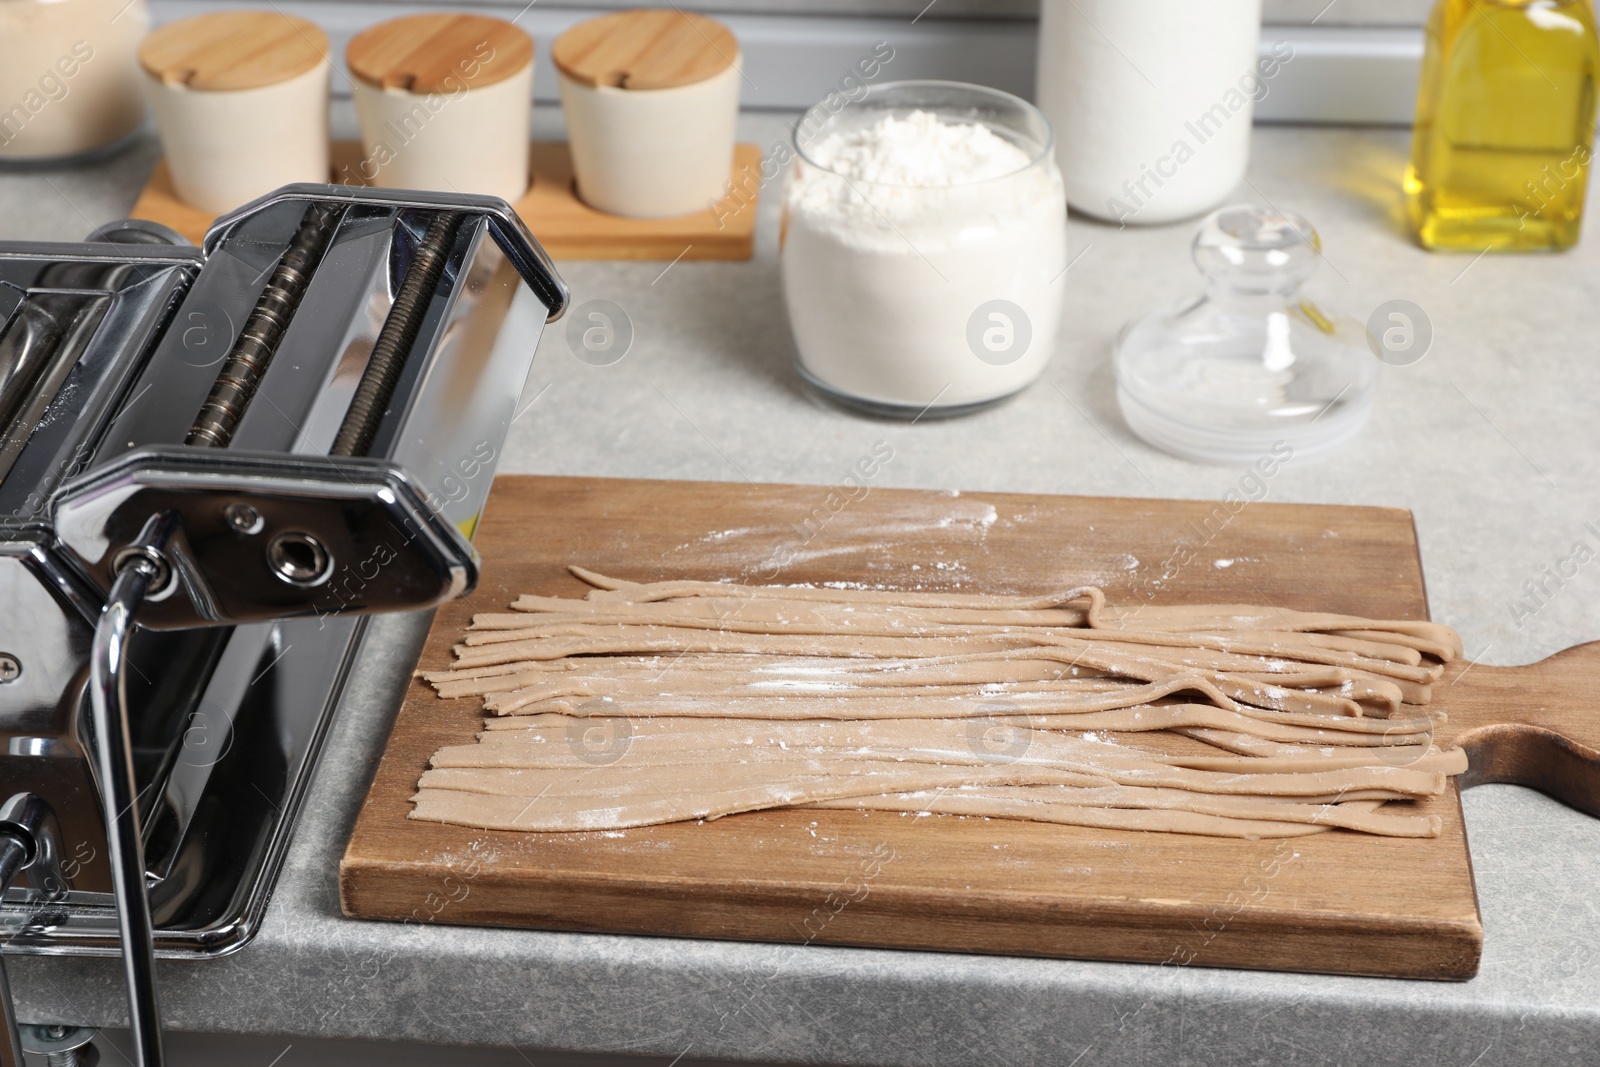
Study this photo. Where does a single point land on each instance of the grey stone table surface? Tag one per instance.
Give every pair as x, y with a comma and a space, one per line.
1490, 440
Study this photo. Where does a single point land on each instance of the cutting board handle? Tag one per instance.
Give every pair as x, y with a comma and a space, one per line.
1536, 726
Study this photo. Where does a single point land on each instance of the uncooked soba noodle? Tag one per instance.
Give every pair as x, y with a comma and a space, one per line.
647, 703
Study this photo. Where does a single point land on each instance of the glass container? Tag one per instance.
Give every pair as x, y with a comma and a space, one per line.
911, 291
1505, 125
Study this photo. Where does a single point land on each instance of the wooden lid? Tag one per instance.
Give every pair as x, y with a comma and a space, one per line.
230, 50
654, 48
438, 53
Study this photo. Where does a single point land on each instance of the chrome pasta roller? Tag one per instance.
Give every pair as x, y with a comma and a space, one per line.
214, 463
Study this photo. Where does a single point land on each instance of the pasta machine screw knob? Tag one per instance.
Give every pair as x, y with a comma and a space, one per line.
161, 576
243, 517
10, 668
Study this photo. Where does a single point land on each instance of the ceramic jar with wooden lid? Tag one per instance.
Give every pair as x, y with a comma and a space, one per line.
241, 99
444, 102
651, 99
69, 80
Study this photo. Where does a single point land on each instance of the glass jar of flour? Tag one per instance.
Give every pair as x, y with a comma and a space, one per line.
923, 246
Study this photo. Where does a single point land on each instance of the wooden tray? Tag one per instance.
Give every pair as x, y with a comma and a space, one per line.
1337, 902
566, 226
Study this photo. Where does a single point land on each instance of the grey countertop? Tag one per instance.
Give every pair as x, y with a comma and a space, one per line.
1490, 440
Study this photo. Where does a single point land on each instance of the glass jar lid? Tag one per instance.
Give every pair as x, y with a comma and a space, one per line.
1251, 365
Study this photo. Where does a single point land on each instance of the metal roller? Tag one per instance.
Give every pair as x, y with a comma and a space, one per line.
399, 333
258, 341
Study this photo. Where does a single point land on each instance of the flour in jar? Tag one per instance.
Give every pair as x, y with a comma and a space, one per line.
922, 259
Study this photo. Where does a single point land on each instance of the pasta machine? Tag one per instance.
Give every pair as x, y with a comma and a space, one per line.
214, 463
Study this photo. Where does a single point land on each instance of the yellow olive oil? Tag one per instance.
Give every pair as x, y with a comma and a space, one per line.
1505, 125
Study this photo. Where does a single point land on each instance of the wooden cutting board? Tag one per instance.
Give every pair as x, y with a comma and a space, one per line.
1337, 902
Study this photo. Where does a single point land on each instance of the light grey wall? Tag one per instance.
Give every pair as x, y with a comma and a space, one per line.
1348, 12
796, 52
1294, 12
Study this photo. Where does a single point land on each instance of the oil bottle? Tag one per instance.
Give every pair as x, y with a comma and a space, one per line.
1505, 125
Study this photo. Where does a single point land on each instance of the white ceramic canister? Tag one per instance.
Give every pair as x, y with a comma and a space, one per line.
444, 102
69, 77
1152, 102
651, 100
924, 243
241, 100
